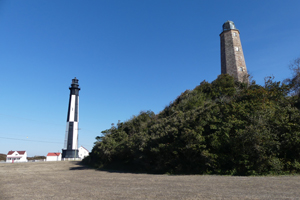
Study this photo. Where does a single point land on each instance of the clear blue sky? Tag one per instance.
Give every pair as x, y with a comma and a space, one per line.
129, 56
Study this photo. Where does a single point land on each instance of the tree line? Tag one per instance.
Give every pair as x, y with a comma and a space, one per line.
222, 127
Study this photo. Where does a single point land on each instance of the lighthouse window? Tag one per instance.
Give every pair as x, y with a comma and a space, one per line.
241, 69
234, 34
236, 48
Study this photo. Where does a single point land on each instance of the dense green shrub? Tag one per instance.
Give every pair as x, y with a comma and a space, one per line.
223, 127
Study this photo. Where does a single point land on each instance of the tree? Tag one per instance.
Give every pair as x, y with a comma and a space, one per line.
223, 127
294, 82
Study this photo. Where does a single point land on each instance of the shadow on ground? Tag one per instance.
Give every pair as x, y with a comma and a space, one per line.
111, 169
80, 166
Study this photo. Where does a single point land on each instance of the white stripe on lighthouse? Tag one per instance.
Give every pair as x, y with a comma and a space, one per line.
72, 108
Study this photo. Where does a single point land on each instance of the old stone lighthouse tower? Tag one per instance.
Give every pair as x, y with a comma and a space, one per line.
232, 57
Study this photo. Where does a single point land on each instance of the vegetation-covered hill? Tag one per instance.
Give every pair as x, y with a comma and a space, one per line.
223, 127
2, 156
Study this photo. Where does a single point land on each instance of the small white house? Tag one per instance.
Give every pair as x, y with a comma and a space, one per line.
53, 157
16, 156
82, 152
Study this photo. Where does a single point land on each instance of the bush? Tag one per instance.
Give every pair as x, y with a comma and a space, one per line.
223, 127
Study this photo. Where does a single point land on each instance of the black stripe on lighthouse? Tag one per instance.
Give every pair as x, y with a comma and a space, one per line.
76, 109
68, 117
70, 136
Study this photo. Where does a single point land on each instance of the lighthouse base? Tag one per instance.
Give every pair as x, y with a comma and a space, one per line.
70, 153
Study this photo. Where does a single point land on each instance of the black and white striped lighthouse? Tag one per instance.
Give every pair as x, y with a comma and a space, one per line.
71, 139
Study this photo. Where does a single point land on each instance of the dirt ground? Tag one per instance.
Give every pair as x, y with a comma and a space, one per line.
69, 180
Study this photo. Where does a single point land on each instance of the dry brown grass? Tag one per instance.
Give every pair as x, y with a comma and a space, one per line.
68, 180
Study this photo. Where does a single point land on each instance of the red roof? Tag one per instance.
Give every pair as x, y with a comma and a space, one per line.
53, 154
19, 152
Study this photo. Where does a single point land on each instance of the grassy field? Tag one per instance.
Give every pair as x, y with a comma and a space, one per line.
69, 180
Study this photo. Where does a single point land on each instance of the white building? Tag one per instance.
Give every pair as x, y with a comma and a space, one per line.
16, 156
53, 157
82, 152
